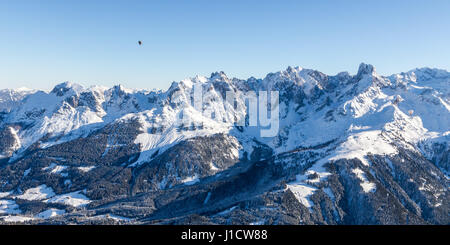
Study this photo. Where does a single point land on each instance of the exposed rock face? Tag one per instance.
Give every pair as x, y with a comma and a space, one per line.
362, 149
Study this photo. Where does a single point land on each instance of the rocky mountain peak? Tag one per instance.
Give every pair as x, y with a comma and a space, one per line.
366, 69
221, 76
345, 151
63, 88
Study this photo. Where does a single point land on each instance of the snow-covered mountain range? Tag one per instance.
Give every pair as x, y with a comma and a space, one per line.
351, 149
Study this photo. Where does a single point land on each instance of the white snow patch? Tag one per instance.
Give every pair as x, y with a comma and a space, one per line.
357, 128
260, 222
213, 167
191, 180
317, 169
47, 214
75, 199
86, 169
16, 218
111, 216
227, 211
117, 217
304, 186
424, 186
38, 193
9, 207
15, 135
302, 192
360, 144
234, 153
366, 185
447, 106
5, 194
58, 169
55, 169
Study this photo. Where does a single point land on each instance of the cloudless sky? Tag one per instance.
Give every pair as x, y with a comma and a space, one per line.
45, 42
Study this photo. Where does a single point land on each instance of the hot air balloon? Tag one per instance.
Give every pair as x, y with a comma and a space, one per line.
410, 112
140, 43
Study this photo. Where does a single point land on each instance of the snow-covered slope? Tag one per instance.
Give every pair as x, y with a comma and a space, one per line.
11, 98
323, 119
314, 108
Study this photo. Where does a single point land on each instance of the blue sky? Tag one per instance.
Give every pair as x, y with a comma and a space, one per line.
44, 42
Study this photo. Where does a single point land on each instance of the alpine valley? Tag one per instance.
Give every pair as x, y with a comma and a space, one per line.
351, 149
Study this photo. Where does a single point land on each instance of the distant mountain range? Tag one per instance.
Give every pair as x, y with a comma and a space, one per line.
350, 149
